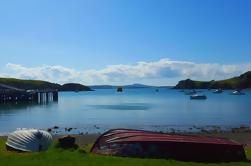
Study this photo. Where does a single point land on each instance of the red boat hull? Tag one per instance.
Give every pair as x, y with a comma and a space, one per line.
137, 143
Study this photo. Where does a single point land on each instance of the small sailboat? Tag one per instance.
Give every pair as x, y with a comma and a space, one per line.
218, 91
198, 97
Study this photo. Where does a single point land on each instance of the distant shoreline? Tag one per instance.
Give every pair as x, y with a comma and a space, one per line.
22, 84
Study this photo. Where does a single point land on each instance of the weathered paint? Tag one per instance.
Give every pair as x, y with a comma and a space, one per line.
138, 143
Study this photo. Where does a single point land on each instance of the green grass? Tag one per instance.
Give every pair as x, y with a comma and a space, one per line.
74, 157
25, 83
20, 81
28, 84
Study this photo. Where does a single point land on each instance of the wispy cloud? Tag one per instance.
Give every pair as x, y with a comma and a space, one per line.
162, 72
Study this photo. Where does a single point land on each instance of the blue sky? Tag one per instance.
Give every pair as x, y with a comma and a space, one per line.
90, 39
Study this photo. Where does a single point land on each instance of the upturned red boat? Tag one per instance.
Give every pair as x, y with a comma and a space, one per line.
146, 144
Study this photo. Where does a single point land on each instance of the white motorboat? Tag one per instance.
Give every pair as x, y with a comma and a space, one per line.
198, 97
237, 92
218, 91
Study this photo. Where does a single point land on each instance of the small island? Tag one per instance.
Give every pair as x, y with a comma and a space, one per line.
241, 82
74, 87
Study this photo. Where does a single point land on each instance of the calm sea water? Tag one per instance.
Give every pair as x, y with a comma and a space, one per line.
142, 108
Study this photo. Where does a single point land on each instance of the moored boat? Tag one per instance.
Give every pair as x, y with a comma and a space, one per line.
119, 89
218, 91
237, 92
199, 97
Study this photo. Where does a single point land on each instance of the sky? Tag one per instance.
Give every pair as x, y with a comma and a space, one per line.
94, 42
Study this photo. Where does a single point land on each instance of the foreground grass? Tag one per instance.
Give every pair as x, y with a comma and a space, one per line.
74, 157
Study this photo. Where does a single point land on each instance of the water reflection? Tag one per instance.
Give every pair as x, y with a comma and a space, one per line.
126, 106
7, 108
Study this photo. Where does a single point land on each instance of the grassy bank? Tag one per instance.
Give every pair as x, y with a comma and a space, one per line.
39, 84
241, 82
56, 156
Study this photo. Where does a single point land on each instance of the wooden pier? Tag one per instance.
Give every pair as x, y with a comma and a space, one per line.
10, 94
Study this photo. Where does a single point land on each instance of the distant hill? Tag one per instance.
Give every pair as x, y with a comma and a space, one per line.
241, 82
38, 84
137, 86
74, 87
145, 86
126, 86
102, 86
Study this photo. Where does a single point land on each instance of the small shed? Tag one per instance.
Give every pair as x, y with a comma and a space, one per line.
146, 144
29, 140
